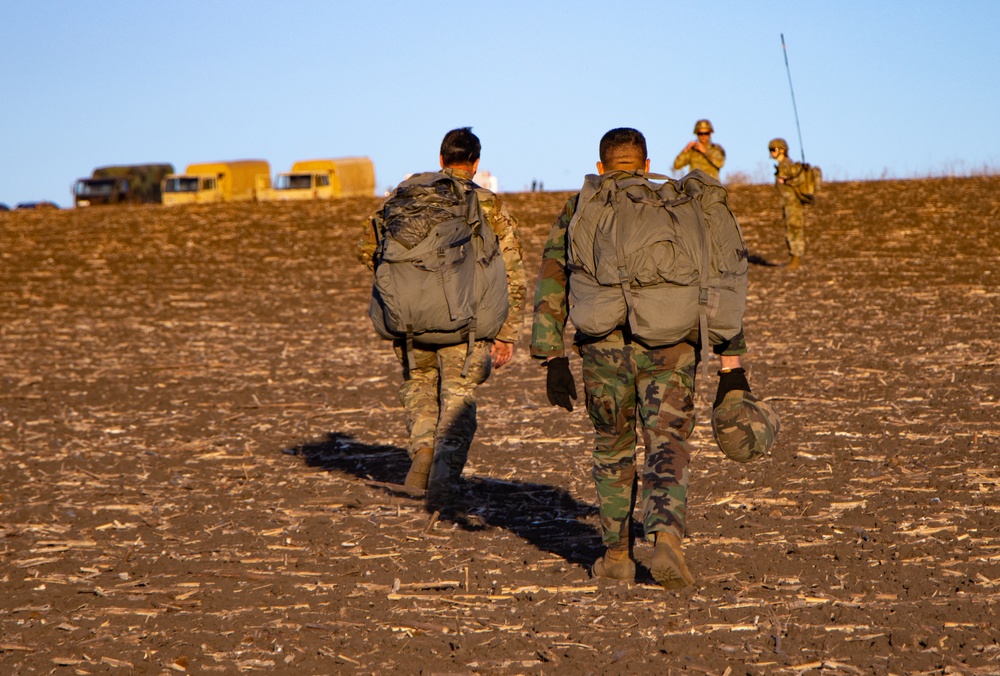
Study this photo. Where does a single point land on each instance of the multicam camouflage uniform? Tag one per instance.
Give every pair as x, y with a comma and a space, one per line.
710, 161
440, 404
791, 201
623, 379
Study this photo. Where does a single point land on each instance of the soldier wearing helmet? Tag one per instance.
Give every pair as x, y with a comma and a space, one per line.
787, 175
702, 153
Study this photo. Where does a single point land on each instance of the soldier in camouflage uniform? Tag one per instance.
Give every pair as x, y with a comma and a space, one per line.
625, 380
787, 175
439, 401
702, 153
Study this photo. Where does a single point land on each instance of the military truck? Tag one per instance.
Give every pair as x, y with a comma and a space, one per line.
324, 179
236, 181
121, 184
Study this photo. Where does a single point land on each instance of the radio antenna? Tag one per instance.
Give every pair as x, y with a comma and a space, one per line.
792, 89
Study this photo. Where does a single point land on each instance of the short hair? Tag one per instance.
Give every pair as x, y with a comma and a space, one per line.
622, 145
460, 146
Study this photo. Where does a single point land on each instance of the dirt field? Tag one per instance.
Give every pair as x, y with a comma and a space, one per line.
199, 427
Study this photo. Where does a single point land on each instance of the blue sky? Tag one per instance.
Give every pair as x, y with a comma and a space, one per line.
890, 89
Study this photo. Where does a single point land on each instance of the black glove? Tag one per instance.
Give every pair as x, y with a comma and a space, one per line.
734, 379
559, 383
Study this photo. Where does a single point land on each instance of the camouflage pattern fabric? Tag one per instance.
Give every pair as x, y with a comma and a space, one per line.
792, 209
505, 227
624, 381
440, 404
744, 427
710, 162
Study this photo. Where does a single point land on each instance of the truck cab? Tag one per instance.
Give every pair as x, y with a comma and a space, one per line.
107, 190
182, 188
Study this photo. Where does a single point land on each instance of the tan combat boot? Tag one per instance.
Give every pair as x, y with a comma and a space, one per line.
420, 468
794, 263
667, 566
616, 564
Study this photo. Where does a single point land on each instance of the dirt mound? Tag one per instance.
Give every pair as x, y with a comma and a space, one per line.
200, 435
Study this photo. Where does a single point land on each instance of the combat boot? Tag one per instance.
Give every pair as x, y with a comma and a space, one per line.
667, 566
440, 487
420, 468
794, 263
616, 564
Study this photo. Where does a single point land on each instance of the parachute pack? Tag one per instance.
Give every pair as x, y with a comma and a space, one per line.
666, 259
439, 273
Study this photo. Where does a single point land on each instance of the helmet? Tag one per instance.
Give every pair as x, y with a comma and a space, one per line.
703, 125
777, 143
744, 427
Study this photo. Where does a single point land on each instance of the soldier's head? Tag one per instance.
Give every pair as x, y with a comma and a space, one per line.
460, 149
703, 130
778, 148
623, 149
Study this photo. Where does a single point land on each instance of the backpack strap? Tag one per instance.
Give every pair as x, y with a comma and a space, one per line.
469, 347
692, 185
703, 286
411, 361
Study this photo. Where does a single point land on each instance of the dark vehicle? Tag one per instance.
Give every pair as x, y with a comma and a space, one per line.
125, 184
42, 204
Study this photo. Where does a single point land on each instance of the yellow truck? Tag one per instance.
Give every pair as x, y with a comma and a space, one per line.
324, 179
237, 181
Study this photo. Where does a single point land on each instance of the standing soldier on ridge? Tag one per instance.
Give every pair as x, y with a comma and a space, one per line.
702, 153
625, 380
787, 176
440, 377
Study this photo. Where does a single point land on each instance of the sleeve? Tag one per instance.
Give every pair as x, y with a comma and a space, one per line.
789, 171
736, 345
368, 240
682, 159
551, 291
716, 155
505, 227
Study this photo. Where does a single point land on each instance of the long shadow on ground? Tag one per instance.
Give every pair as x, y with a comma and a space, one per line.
548, 517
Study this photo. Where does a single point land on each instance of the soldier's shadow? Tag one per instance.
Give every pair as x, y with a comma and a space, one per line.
548, 517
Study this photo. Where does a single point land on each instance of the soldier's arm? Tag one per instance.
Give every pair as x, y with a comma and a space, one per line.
551, 291
368, 240
682, 160
505, 227
716, 155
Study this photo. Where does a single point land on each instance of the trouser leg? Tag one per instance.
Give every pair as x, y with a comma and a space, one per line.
419, 396
794, 215
456, 425
665, 383
609, 387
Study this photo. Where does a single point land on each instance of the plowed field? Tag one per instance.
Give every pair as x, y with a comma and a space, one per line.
199, 435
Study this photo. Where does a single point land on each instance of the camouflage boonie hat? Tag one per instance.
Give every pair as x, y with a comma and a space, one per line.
703, 125
744, 426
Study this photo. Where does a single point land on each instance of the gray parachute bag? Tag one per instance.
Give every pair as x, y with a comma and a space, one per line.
439, 274
668, 259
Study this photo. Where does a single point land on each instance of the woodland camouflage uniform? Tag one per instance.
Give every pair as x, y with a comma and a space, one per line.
440, 403
791, 203
624, 379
